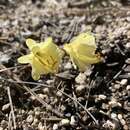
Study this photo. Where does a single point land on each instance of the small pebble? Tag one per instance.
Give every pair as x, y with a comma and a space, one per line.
123, 122
109, 124
49, 82
127, 45
81, 78
124, 82
65, 122
35, 121
127, 61
105, 106
105, 52
68, 114
80, 88
22, 111
30, 112
4, 58
117, 86
59, 94
6, 107
125, 127
73, 121
113, 115
30, 119
37, 113
68, 66
55, 127
119, 116
32, 98
102, 97
128, 19
42, 96
4, 124
40, 126
114, 103
46, 90
1, 128
128, 87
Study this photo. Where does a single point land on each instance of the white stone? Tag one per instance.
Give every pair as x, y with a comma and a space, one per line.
5, 107
80, 88
80, 79
125, 127
113, 115
59, 94
1, 128
29, 119
124, 82
128, 87
46, 90
73, 122
55, 127
40, 126
123, 122
37, 113
114, 103
68, 66
65, 122
103, 97
127, 45
117, 86
119, 116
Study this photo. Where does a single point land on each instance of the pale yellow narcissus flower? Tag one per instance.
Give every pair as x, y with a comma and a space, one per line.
82, 51
44, 58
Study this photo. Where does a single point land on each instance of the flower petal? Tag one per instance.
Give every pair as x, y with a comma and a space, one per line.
30, 43
25, 59
33, 46
38, 68
35, 75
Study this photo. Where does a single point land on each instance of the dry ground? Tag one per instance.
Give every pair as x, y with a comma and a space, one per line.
63, 101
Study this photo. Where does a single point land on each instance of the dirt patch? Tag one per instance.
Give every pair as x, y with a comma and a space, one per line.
98, 99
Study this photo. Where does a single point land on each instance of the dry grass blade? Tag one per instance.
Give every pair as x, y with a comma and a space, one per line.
25, 82
117, 74
11, 106
10, 122
6, 69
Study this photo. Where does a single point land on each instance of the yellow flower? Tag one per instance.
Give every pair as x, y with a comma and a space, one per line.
44, 58
82, 51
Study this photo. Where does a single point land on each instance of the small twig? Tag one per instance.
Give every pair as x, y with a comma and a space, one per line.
78, 4
117, 74
6, 43
6, 69
80, 106
90, 86
11, 106
72, 31
74, 96
25, 82
9, 121
120, 49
